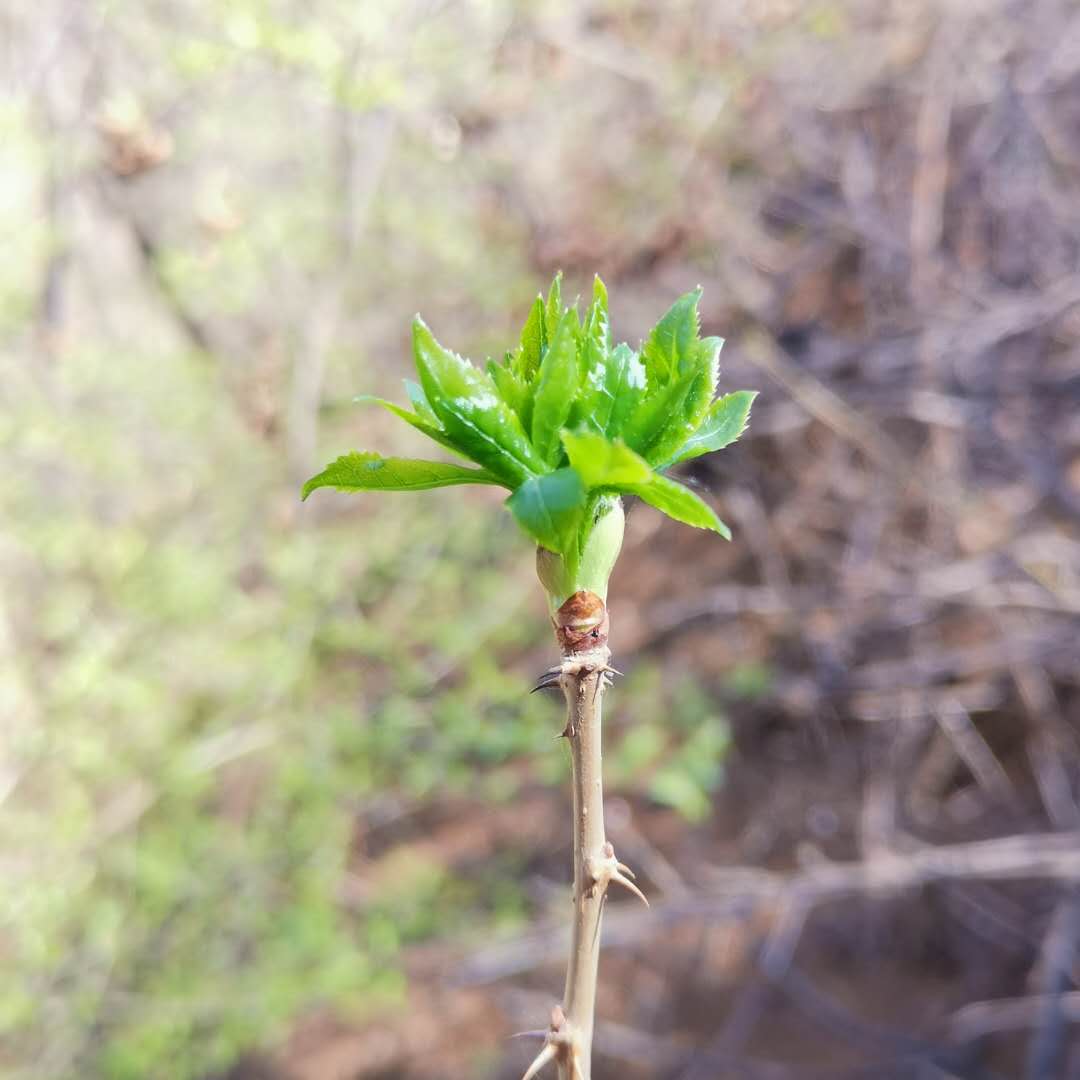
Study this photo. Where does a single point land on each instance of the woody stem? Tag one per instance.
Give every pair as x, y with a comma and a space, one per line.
583, 687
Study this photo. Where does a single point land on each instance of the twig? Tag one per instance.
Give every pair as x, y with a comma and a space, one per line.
828, 407
1010, 1014
615, 1041
930, 181
734, 891
775, 958
974, 751
1047, 1049
581, 627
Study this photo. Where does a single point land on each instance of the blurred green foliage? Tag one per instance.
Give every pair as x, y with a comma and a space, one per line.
224, 688
204, 686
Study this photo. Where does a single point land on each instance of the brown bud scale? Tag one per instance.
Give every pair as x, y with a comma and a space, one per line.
581, 624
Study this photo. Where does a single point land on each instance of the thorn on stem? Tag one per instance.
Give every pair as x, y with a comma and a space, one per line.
550, 679
538, 1062
626, 883
610, 869
559, 1044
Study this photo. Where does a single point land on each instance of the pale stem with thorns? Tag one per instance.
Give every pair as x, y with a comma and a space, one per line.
581, 625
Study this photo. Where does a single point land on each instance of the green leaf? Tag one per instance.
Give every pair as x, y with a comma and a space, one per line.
594, 348
612, 392
372, 472
614, 466
680, 503
604, 464
597, 321
676, 420
668, 345
549, 508
658, 412
533, 343
726, 421
556, 389
430, 427
472, 413
553, 313
511, 389
419, 400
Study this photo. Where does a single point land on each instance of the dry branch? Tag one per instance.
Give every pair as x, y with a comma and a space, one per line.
737, 890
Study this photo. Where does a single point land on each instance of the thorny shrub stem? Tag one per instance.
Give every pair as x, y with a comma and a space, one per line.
581, 625
584, 690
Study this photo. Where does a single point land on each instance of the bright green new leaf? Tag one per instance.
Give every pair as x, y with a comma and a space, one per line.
553, 312
604, 464
658, 414
591, 359
512, 390
726, 421
674, 421
430, 428
472, 413
597, 323
550, 509
667, 349
680, 503
566, 395
594, 352
625, 381
611, 393
706, 360
533, 342
615, 467
419, 400
556, 388
372, 472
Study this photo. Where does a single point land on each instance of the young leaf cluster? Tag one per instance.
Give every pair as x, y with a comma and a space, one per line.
567, 421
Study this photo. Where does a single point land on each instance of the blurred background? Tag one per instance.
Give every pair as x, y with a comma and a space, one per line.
275, 802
